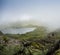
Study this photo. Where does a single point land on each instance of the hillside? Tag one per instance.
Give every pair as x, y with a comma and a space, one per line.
37, 42
1, 33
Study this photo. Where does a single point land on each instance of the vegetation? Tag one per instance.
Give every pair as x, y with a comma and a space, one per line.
37, 42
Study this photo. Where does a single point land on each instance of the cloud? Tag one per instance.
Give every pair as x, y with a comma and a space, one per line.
43, 12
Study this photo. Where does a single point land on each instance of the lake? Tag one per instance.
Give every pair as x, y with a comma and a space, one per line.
17, 31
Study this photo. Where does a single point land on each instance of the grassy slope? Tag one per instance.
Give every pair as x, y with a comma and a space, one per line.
38, 33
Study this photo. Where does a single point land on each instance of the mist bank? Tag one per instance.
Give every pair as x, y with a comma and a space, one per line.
31, 23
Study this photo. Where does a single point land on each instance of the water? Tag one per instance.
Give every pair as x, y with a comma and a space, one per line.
17, 31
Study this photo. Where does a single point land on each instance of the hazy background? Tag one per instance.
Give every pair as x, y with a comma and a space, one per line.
41, 12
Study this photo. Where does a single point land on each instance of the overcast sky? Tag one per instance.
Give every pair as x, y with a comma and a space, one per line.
43, 11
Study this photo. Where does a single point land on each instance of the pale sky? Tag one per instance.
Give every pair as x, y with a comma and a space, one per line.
43, 11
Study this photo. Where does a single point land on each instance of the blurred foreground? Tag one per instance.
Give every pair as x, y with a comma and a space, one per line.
37, 42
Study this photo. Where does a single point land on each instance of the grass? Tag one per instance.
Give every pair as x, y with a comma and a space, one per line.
8, 44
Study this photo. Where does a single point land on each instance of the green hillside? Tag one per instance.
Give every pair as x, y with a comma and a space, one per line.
37, 42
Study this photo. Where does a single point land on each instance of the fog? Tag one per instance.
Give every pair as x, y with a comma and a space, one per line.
45, 13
